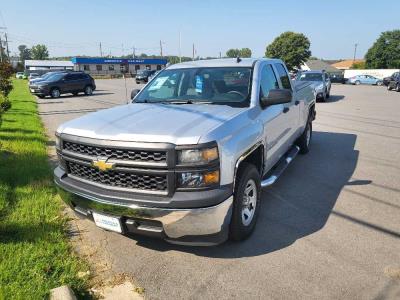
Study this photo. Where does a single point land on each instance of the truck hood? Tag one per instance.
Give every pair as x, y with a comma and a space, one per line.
167, 123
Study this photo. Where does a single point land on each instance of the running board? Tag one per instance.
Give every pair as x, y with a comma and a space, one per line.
272, 176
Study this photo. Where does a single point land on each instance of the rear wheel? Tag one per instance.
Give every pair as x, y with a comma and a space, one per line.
379, 83
389, 88
246, 202
398, 87
55, 93
305, 139
88, 90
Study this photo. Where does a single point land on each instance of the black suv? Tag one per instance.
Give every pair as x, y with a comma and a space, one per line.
394, 82
63, 83
143, 76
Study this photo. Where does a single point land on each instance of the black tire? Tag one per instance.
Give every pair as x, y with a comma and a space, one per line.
305, 139
357, 82
397, 87
55, 93
137, 82
379, 83
389, 88
247, 176
88, 90
75, 93
41, 96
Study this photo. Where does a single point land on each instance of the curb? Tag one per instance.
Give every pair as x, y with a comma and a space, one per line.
62, 293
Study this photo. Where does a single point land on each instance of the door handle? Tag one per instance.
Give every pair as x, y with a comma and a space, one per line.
285, 110
296, 102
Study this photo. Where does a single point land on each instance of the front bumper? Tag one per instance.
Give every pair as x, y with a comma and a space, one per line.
189, 226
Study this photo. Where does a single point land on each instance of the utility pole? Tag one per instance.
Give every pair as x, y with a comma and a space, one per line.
1, 50
355, 51
101, 50
8, 50
220, 54
193, 52
161, 49
122, 49
180, 53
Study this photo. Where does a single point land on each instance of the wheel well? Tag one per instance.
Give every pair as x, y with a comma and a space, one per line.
55, 88
256, 158
311, 112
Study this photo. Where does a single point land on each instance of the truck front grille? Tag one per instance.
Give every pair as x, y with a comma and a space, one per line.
129, 180
119, 154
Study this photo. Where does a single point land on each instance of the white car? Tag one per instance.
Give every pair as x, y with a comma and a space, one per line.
33, 76
19, 75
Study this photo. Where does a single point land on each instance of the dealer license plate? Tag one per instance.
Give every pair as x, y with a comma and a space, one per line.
107, 222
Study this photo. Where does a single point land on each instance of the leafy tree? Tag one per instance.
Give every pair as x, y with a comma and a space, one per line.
233, 53
6, 72
40, 52
385, 52
245, 52
24, 53
293, 48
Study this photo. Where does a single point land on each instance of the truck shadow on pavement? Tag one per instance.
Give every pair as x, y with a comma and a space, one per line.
334, 98
298, 205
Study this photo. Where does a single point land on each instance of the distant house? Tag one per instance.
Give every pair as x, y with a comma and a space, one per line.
318, 65
346, 64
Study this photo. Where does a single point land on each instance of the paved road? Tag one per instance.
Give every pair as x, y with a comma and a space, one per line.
329, 228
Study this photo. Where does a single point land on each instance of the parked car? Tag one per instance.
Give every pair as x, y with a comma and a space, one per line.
394, 83
143, 76
365, 79
43, 77
33, 76
63, 83
321, 82
20, 75
186, 160
386, 80
338, 78
154, 75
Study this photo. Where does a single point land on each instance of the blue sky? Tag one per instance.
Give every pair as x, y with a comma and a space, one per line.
76, 27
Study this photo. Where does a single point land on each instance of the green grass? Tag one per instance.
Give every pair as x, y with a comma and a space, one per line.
35, 255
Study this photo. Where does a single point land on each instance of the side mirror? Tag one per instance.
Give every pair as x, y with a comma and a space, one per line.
276, 96
134, 93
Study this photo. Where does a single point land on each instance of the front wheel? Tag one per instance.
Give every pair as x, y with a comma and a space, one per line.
389, 88
55, 93
397, 87
305, 139
246, 202
379, 83
357, 82
88, 90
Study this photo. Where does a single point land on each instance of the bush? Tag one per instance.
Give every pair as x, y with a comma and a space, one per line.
6, 72
5, 104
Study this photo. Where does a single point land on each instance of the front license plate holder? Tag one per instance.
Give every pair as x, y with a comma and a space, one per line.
107, 222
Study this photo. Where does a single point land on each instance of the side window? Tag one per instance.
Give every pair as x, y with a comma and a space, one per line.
283, 75
268, 80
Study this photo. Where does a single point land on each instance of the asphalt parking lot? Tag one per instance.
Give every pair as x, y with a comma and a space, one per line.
328, 229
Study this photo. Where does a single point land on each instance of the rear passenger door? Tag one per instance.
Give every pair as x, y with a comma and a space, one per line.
71, 83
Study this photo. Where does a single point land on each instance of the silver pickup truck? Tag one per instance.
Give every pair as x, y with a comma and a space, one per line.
187, 159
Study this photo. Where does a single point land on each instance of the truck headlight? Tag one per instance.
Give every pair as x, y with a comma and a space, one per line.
197, 156
198, 179
58, 142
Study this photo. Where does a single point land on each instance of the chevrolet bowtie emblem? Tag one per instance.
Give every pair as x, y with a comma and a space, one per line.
102, 164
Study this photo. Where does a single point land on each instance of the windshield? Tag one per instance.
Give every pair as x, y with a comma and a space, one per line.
55, 77
144, 72
311, 77
229, 85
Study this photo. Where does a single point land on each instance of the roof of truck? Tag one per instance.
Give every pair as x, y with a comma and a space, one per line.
222, 62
